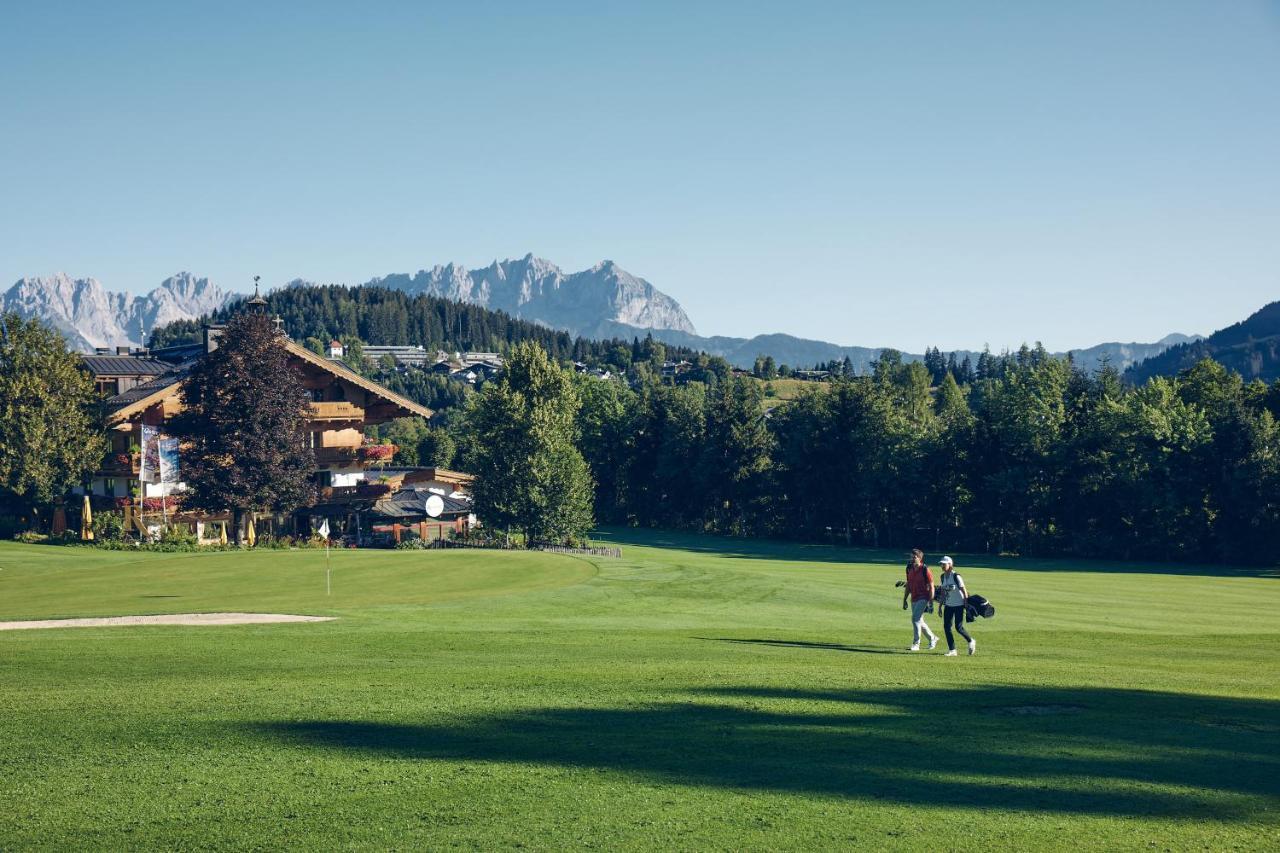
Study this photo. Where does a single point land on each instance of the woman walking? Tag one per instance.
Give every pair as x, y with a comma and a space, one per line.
954, 596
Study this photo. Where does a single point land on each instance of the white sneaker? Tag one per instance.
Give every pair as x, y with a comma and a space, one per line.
950, 654
915, 647
973, 646
933, 643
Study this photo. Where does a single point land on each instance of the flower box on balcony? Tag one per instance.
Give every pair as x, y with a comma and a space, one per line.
377, 452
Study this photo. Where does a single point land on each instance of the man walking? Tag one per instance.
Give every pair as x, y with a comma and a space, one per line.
920, 591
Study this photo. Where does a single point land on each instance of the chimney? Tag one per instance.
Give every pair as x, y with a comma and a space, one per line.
211, 335
122, 350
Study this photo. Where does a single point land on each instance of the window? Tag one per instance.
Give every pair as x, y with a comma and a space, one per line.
317, 395
109, 486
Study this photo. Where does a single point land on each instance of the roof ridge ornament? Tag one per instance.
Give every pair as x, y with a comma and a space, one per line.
258, 304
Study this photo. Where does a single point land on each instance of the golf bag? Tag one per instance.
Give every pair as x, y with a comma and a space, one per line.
975, 606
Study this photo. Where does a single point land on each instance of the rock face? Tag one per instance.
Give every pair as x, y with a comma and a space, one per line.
584, 303
88, 315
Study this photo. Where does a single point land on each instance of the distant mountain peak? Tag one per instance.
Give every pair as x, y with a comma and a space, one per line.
90, 316
536, 289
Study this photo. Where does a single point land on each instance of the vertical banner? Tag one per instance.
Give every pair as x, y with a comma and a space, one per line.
167, 455
150, 472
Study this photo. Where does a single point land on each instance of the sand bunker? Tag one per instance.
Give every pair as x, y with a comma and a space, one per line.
167, 619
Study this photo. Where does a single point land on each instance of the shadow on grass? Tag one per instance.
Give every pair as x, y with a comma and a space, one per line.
1083, 751
772, 549
835, 647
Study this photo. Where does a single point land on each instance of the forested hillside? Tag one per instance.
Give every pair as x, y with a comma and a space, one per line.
378, 315
1250, 347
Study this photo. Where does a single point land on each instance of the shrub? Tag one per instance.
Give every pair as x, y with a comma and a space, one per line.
176, 538
30, 537
108, 526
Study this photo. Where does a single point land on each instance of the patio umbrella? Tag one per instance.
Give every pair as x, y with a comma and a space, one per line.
86, 522
249, 535
222, 533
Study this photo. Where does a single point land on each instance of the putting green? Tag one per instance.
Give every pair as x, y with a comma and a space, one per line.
697, 693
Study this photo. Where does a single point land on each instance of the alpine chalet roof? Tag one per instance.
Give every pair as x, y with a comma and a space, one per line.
125, 365
147, 394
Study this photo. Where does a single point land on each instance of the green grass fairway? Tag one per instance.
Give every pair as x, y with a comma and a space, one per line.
697, 693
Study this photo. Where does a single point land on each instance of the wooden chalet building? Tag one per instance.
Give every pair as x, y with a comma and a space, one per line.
144, 390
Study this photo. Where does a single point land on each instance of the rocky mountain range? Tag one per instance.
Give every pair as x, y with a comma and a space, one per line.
90, 316
604, 301
587, 303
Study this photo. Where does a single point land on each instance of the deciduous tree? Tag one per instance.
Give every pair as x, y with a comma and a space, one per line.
244, 425
529, 473
51, 436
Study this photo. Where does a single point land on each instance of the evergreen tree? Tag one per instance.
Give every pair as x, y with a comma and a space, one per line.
607, 423
735, 456
244, 424
50, 427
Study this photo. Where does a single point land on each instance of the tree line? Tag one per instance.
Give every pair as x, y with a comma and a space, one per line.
1035, 458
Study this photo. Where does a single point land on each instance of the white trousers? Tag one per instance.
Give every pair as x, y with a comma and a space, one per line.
918, 625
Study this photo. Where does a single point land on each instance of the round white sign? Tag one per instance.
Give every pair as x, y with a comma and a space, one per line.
435, 506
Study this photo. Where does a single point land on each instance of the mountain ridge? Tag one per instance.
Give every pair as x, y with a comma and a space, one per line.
602, 301
1250, 347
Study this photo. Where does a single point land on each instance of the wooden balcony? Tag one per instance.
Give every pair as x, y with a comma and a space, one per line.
337, 411
121, 465
336, 455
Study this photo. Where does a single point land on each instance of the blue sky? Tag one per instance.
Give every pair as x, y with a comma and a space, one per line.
897, 173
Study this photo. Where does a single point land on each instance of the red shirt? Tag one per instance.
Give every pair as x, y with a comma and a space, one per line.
920, 583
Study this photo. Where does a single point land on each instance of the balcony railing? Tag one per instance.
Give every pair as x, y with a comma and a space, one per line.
336, 455
336, 410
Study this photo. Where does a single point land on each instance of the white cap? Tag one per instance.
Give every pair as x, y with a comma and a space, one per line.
947, 561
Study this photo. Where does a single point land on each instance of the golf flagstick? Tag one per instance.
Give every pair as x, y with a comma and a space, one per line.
324, 531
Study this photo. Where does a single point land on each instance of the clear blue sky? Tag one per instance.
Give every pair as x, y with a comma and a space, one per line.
896, 173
